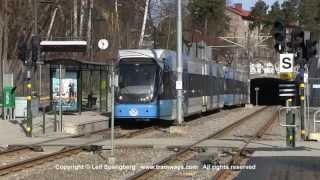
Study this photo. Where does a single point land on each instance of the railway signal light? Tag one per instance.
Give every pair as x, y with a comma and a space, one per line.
35, 45
310, 49
297, 38
279, 35
297, 45
22, 52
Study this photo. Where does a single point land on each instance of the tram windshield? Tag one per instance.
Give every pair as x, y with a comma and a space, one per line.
137, 81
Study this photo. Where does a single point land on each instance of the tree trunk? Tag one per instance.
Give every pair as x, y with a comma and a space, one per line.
5, 38
82, 13
117, 24
168, 36
51, 22
144, 23
75, 18
1, 46
89, 30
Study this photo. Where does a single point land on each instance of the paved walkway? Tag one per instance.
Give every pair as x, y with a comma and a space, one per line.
12, 133
282, 168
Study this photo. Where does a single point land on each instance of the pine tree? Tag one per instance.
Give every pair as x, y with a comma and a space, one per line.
209, 14
309, 14
259, 14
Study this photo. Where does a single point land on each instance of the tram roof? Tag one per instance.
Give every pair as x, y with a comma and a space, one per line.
142, 53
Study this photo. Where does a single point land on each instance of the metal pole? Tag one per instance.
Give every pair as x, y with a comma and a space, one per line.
257, 95
179, 66
2, 59
55, 117
302, 134
40, 80
112, 113
306, 94
60, 97
29, 101
43, 120
249, 60
290, 120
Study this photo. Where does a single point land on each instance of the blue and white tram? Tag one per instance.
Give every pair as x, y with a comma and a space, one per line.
235, 86
147, 85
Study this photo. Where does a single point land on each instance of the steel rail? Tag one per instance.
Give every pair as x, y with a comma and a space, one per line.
228, 128
21, 165
236, 159
28, 147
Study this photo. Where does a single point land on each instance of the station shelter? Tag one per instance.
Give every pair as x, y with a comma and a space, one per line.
84, 85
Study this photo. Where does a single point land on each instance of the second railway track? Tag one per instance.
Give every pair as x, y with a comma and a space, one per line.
186, 152
44, 158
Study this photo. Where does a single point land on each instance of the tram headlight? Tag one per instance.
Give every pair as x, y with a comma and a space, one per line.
120, 97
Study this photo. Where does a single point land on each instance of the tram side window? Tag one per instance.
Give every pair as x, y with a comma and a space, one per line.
168, 84
194, 85
213, 84
221, 85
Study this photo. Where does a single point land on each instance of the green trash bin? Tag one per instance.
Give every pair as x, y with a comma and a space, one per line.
9, 97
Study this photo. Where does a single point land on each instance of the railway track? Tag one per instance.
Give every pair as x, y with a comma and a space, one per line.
31, 146
38, 160
186, 152
240, 155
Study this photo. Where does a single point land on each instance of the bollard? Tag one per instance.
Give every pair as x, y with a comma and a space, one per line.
301, 94
290, 120
55, 118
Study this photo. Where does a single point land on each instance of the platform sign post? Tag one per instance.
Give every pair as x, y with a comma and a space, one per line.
114, 83
112, 113
179, 87
61, 76
290, 121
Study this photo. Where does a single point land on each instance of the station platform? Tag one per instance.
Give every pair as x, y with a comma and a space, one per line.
72, 123
12, 132
282, 167
273, 160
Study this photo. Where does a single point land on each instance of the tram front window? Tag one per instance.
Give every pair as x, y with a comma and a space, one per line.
137, 82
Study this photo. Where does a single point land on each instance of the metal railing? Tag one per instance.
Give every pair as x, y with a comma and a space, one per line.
315, 120
294, 108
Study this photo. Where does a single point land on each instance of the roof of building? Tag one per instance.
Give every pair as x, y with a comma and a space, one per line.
237, 9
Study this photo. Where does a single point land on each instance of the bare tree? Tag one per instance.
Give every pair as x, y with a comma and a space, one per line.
89, 29
83, 7
117, 23
75, 18
52, 22
144, 23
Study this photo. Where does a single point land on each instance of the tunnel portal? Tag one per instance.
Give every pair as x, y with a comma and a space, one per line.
268, 93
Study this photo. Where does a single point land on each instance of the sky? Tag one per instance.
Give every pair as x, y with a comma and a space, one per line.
247, 4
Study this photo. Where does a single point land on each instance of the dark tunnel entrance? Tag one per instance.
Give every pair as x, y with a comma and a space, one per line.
268, 93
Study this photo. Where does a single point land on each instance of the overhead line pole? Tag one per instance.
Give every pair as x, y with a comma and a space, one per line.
179, 86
